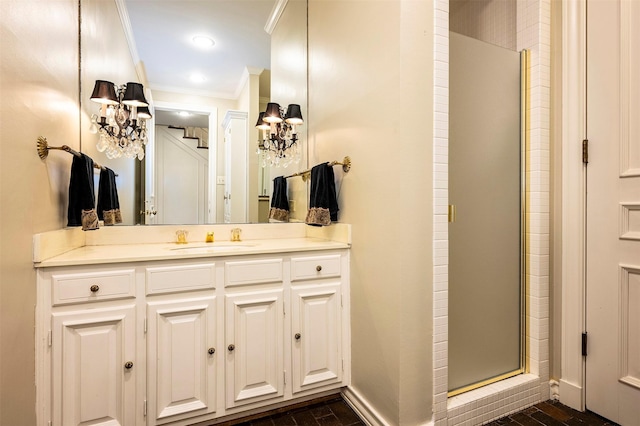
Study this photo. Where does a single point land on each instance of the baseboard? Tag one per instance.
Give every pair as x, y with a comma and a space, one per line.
571, 395
363, 408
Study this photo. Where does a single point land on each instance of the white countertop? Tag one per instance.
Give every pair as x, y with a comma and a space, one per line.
117, 253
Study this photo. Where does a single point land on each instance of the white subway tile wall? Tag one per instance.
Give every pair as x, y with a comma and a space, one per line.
532, 31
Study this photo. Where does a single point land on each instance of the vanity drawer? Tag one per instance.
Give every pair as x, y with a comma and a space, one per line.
253, 272
170, 279
92, 286
314, 267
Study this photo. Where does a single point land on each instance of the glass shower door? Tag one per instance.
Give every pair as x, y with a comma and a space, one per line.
485, 240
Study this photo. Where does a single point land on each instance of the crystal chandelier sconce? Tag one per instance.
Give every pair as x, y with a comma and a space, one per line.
279, 145
122, 122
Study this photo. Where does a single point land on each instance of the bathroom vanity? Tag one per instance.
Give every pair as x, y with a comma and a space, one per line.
163, 333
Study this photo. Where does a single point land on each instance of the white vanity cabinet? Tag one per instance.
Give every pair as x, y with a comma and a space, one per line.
316, 315
89, 345
182, 341
254, 330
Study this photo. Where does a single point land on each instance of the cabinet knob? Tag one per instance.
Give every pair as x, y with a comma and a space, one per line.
318, 268
211, 351
128, 365
231, 347
94, 288
297, 336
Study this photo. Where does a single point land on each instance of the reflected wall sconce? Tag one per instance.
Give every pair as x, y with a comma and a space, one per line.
279, 144
122, 122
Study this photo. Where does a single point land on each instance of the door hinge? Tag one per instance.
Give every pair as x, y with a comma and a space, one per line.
145, 326
50, 338
342, 365
144, 408
49, 423
284, 377
584, 344
585, 151
451, 213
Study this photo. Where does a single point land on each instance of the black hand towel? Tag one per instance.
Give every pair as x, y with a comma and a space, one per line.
279, 211
82, 202
323, 205
108, 203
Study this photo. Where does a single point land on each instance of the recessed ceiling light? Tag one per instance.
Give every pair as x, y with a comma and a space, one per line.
198, 78
203, 41
184, 114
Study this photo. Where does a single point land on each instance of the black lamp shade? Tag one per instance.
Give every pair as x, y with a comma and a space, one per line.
260, 124
104, 92
143, 112
294, 115
134, 95
272, 114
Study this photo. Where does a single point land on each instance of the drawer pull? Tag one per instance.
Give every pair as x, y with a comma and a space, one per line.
211, 351
94, 288
128, 365
297, 336
231, 347
318, 268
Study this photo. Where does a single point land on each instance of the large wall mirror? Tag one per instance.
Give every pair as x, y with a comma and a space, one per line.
208, 68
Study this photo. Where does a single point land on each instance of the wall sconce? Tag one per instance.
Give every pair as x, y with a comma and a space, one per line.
122, 122
279, 147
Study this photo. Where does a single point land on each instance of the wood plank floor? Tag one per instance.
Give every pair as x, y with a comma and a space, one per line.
335, 412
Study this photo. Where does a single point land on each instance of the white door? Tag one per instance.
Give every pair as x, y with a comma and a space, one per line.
236, 188
613, 210
181, 358
182, 176
316, 326
254, 352
228, 165
94, 367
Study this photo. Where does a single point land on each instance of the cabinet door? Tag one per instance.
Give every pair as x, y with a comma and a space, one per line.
254, 338
94, 367
181, 359
316, 329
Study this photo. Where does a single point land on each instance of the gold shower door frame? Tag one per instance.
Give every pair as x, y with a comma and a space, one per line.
524, 227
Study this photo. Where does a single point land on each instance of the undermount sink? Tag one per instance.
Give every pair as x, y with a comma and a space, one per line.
211, 248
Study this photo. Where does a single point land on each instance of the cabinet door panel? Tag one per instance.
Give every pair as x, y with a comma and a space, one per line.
254, 334
316, 328
91, 383
181, 371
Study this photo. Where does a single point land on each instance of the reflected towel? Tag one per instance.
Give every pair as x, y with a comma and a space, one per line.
81, 210
108, 203
279, 211
323, 204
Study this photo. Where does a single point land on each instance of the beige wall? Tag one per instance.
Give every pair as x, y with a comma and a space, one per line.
38, 96
371, 97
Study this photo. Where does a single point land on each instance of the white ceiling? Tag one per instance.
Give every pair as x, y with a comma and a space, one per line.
163, 31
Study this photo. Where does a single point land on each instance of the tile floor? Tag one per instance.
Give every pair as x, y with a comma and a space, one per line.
334, 411
552, 413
